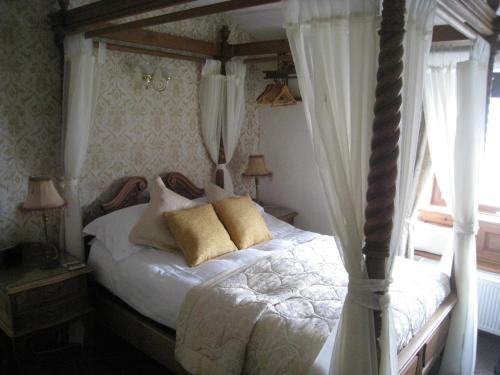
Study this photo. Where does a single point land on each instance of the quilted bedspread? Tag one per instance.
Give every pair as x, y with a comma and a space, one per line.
273, 315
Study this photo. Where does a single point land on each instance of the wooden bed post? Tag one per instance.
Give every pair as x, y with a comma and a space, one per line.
226, 53
382, 176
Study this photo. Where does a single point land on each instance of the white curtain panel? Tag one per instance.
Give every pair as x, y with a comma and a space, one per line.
334, 48
417, 44
440, 110
471, 82
440, 107
338, 92
81, 86
212, 107
235, 111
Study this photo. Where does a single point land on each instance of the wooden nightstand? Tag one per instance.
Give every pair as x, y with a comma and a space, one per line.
33, 300
281, 213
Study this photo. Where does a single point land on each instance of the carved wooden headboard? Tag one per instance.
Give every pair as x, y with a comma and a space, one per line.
134, 191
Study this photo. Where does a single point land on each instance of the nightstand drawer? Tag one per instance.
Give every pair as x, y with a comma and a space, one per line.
4, 308
35, 297
51, 313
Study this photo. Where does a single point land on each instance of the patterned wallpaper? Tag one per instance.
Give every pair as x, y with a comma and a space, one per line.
136, 131
29, 111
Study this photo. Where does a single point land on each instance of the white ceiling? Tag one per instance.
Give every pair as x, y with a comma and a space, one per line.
263, 22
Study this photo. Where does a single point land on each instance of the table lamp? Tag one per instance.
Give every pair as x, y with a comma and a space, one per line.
257, 168
43, 196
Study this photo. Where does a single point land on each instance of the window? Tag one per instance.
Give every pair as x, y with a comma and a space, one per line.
489, 186
488, 237
489, 180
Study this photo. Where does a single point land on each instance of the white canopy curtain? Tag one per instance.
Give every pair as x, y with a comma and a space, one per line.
235, 111
212, 103
334, 47
440, 109
455, 97
81, 83
417, 44
222, 104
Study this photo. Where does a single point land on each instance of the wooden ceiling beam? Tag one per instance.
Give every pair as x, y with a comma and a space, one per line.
163, 40
260, 59
152, 52
261, 48
206, 10
471, 20
441, 33
81, 18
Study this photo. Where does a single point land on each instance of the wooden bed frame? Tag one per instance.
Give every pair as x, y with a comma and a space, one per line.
471, 19
420, 356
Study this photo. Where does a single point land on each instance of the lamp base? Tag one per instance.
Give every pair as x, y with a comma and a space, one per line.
49, 264
51, 259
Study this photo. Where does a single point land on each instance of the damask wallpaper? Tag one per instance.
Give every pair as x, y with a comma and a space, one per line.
30, 104
137, 131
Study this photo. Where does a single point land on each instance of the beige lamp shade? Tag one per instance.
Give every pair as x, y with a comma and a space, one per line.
42, 195
257, 166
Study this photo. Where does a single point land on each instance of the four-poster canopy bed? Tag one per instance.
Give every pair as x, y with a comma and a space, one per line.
471, 19
158, 340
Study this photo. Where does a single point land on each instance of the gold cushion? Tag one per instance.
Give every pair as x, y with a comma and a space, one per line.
199, 233
243, 221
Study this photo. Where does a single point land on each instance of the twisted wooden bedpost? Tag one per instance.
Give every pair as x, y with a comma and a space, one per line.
382, 176
226, 53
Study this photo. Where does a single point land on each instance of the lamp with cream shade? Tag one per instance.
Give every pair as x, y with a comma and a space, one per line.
257, 167
43, 196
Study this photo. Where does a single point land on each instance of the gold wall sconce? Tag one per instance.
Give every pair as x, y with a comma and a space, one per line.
155, 77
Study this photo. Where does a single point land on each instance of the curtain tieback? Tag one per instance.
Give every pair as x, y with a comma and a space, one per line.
461, 227
221, 166
364, 292
406, 227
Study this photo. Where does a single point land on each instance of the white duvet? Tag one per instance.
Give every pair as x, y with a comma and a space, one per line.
155, 283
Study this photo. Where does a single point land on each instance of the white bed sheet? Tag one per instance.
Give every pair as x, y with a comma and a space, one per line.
155, 283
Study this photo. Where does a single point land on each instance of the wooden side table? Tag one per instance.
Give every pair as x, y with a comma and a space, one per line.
281, 213
33, 300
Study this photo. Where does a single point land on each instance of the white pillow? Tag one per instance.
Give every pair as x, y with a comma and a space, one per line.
113, 230
216, 193
151, 229
201, 200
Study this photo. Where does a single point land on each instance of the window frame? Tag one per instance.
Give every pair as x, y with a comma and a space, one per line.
489, 225
438, 200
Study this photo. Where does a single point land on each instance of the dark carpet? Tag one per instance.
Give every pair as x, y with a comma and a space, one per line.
110, 355
488, 354
107, 355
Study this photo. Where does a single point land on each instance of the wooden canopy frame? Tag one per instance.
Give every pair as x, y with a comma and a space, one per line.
467, 20
98, 21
